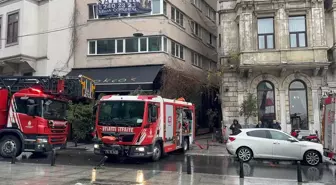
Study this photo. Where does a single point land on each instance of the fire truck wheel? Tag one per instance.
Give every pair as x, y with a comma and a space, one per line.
157, 152
7, 146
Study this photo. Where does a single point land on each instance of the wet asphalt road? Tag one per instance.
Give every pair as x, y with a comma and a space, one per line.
176, 162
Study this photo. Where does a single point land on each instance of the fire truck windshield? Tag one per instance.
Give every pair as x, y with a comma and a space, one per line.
54, 110
121, 113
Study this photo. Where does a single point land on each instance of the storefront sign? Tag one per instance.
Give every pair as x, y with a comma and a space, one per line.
115, 80
115, 7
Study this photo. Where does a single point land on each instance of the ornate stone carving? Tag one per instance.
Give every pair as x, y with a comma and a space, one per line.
324, 71
249, 74
297, 74
282, 72
316, 71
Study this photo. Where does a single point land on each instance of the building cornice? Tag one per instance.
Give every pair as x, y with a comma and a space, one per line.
271, 5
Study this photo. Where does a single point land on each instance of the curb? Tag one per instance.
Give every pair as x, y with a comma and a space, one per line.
209, 154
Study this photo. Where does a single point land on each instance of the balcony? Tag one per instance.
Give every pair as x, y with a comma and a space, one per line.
314, 59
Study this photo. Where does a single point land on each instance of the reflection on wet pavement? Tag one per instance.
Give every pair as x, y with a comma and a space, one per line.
170, 170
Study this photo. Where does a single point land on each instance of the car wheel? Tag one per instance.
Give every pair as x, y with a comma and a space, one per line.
156, 152
244, 154
312, 158
8, 145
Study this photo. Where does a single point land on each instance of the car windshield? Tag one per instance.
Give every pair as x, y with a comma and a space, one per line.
121, 113
54, 110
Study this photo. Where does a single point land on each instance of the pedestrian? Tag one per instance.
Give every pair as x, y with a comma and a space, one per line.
276, 125
235, 127
294, 133
259, 124
264, 124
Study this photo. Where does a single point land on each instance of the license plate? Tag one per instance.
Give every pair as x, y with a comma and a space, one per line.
57, 148
115, 152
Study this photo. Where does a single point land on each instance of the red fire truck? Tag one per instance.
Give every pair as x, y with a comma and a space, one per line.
143, 126
328, 131
33, 111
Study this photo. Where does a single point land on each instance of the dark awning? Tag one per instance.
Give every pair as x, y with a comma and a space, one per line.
120, 79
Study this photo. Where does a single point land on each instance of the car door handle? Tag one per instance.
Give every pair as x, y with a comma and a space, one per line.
276, 143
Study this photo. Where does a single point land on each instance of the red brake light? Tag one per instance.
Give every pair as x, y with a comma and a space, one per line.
232, 139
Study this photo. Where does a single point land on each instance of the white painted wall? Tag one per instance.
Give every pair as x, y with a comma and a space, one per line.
45, 33
29, 26
60, 13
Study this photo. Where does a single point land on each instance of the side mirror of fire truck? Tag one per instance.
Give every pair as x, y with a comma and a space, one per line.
153, 113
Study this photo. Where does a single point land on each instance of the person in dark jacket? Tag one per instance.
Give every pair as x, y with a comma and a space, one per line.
235, 127
259, 125
276, 125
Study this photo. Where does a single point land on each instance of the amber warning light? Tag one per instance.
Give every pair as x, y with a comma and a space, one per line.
88, 87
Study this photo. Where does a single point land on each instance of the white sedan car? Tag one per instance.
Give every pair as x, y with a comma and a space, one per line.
265, 143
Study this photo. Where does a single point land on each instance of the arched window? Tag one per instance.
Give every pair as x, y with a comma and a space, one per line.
266, 102
298, 107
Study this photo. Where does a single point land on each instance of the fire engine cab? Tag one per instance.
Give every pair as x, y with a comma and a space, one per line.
33, 111
143, 126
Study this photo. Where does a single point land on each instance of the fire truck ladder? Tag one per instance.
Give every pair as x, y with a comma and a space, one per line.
71, 87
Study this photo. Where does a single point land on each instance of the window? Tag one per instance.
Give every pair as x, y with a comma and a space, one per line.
297, 31
177, 50
219, 40
165, 7
143, 44
105, 46
154, 43
13, 28
298, 107
257, 133
211, 13
156, 6
212, 40
121, 113
165, 44
197, 3
131, 45
93, 11
127, 45
279, 135
92, 47
22, 105
120, 46
196, 29
266, 102
196, 59
266, 33
177, 16
54, 110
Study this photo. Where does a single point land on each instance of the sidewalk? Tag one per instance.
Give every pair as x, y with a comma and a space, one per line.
80, 146
33, 174
200, 147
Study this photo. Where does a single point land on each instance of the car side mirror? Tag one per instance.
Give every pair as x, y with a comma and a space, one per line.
31, 110
292, 140
153, 113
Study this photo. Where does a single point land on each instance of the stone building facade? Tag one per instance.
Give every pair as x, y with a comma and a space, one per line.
282, 53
